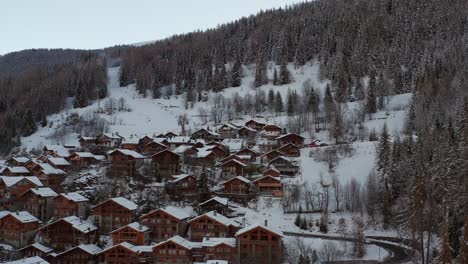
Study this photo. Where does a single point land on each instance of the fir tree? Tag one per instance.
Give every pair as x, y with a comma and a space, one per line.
236, 74
290, 104
371, 103
278, 103
359, 94
271, 100
29, 126
383, 165
284, 76
203, 187
275, 77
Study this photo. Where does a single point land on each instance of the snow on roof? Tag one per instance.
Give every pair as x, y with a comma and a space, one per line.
289, 159
135, 226
223, 201
180, 241
128, 152
229, 125
180, 177
241, 178
252, 227
90, 248
176, 212
123, 202
20, 159
218, 218
131, 141
266, 176
12, 180
85, 154
87, 138
236, 161
178, 139
131, 247
31, 260
39, 247
79, 224
203, 152
182, 148
111, 135
99, 157
22, 216
48, 169
74, 196
59, 161
248, 128
215, 241
234, 144
44, 192
289, 134
18, 169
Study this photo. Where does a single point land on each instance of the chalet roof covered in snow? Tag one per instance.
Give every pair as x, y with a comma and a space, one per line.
218, 218
59, 161
75, 197
176, 212
220, 200
254, 226
215, 241
288, 135
135, 226
84, 154
31, 260
123, 202
111, 136
235, 161
12, 180
22, 216
88, 248
180, 177
44, 192
79, 224
241, 178
128, 152
18, 170
20, 159
39, 247
182, 148
131, 247
180, 241
49, 170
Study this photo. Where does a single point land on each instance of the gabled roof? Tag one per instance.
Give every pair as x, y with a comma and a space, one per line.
111, 135
220, 200
18, 169
74, 196
88, 248
128, 152
13, 180
84, 154
43, 192
166, 150
170, 210
271, 151
121, 201
271, 169
20, 159
135, 226
254, 226
31, 260
213, 215
179, 241
289, 145
241, 178
22, 216
255, 121
182, 148
78, 224
272, 126
248, 128
59, 161
290, 160
180, 177
131, 247
215, 241
267, 176
289, 134
246, 149
46, 168
236, 161
39, 247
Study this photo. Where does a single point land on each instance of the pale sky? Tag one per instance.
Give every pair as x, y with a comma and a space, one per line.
91, 24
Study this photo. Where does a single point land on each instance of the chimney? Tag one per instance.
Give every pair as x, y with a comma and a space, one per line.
215, 213
266, 222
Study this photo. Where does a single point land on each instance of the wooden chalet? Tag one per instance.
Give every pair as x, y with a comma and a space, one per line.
68, 204
268, 185
87, 142
291, 138
259, 244
130, 144
290, 150
285, 165
218, 204
16, 161
205, 134
144, 141
271, 131
11, 187
255, 124
134, 233
113, 213
246, 159
267, 157
247, 133
174, 250
57, 151
83, 159
126, 253
271, 172
182, 186
236, 186
186, 152
49, 175
17, 228
166, 163
59, 163
211, 224
32, 163
153, 147
39, 202
68, 232
36, 249
246, 152
81, 254
125, 162
165, 223
109, 140
232, 168
227, 130
219, 248
16, 171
